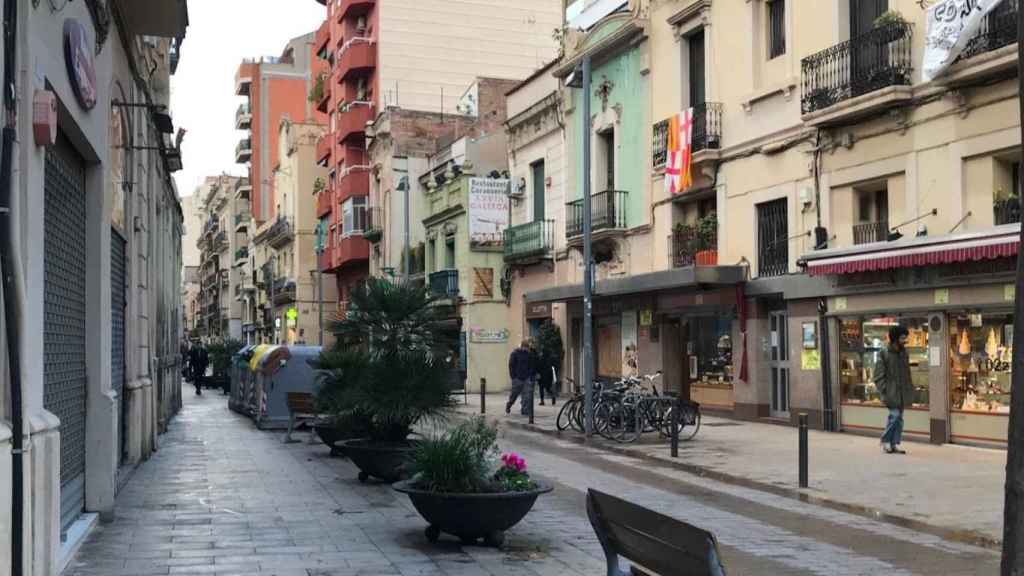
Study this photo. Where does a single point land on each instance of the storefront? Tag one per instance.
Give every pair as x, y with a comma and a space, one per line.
955, 295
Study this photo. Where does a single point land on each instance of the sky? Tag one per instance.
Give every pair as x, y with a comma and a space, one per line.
220, 34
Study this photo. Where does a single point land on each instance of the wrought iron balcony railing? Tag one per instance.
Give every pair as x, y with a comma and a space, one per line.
998, 29
531, 240
706, 134
445, 283
1006, 211
608, 212
872, 61
868, 232
690, 247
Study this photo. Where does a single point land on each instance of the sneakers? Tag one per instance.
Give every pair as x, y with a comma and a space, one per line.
887, 448
897, 450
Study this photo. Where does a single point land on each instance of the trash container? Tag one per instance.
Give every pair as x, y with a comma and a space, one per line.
280, 370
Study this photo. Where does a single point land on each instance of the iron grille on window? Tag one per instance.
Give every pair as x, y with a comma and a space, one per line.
659, 148
877, 59
772, 238
1006, 211
998, 29
776, 28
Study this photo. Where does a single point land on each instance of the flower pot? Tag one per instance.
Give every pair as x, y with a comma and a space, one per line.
387, 461
471, 517
330, 434
706, 258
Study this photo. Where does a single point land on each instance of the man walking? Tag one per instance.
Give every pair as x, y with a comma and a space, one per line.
521, 369
892, 378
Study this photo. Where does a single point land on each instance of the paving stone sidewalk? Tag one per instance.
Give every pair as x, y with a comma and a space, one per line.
952, 488
223, 498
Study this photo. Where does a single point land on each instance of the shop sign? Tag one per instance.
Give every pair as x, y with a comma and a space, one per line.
44, 117
488, 335
80, 62
646, 317
488, 211
942, 296
538, 310
293, 316
1009, 292
840, 304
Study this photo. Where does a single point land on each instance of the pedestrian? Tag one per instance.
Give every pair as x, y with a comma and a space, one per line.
546, 377
521, 370
892, 379
202, 361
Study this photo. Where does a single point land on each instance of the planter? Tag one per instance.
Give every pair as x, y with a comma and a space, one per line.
384, 460
330, 434
471, 516
706, 258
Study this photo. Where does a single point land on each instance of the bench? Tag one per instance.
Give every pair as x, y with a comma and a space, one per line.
300, 410
655, 543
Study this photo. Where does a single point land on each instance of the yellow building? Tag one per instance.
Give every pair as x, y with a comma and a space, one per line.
836, 192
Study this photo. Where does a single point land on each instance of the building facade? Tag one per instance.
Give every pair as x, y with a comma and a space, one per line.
224, 247
96, 238
834, 194
372, 63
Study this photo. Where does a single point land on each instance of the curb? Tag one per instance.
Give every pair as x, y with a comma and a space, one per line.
971, 537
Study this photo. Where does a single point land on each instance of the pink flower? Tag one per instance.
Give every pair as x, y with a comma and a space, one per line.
514, 461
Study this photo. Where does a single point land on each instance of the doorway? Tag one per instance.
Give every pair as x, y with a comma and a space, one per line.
778, 364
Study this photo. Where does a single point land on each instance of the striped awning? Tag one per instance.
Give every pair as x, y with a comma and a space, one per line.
915, 252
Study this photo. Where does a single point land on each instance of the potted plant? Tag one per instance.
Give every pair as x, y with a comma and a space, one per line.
388, 370
707, 240
463, 486
221, 354
337, 422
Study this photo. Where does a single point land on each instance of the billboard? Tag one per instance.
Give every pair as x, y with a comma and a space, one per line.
488, 211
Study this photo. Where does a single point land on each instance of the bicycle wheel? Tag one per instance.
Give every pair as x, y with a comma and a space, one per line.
625, 427
603, 414
564, 420
692, 417
577, 417
666, 422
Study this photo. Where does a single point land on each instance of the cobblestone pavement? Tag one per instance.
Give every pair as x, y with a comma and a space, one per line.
223, 498
951, 488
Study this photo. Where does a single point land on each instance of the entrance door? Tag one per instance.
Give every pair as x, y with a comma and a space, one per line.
867, 57
537, 170
118, 300
64, 329
779, 365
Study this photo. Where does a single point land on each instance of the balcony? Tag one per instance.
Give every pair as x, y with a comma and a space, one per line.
706, 135
354, 8
220, 241
243, 78
352, 122
243, 117
695, 245
324, 203
241, 256
374, 224
284, 291
530, 242
350, 250
320, 93
323, 260
280, 233
323, 37
358, 57
608, 214
991, 52
445, 284
243, 152
1006, 211
859, 77
324, 147
868, 232
354, 181
242, 188
242, 222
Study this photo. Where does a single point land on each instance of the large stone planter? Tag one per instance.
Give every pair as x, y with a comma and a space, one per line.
330, 435
471, 517
387, 461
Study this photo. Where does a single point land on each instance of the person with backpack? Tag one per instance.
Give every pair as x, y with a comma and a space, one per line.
892, 379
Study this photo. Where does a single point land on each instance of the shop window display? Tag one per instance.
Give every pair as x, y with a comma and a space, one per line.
862, 341
981, 352
711, 361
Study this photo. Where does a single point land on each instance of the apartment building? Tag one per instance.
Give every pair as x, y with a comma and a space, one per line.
835, 193
408, 55
300, 305
96, 244
223, 243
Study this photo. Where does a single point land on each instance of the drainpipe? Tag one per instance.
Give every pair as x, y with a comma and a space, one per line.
8, 271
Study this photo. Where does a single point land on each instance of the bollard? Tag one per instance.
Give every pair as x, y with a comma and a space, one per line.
675, 428
803, 450
532, 402
483, 396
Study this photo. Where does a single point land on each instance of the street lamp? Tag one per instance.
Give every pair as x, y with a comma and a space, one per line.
581, 79
319, 248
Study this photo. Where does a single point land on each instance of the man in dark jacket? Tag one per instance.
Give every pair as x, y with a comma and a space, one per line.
521, 369
892, 378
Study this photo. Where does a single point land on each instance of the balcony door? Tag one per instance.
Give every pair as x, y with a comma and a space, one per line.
865, 57
537, 175
697, 91
778, 365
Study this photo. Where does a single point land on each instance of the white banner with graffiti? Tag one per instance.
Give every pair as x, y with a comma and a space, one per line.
488, 211
951, 25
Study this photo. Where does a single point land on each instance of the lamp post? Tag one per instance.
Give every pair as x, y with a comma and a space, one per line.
319, 249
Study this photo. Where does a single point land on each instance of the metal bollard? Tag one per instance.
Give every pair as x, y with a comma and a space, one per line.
803, 450
532, 401
675, 428
483, 396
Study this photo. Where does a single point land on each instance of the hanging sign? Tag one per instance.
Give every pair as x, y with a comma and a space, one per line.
44, 117
488, 211
950, 26
80, 62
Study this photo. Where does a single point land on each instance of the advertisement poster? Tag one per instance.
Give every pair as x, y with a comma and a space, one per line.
488, 211
810, 360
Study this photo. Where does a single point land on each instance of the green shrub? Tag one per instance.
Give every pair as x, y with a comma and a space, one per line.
465, 460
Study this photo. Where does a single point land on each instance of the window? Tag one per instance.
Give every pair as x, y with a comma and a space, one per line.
861, 341
772, 238
432, 255
353, 213
607, 140
776, 28
537, 173
872, 216
449, 252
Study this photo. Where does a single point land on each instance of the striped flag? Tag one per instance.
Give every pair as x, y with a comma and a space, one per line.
679, 152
